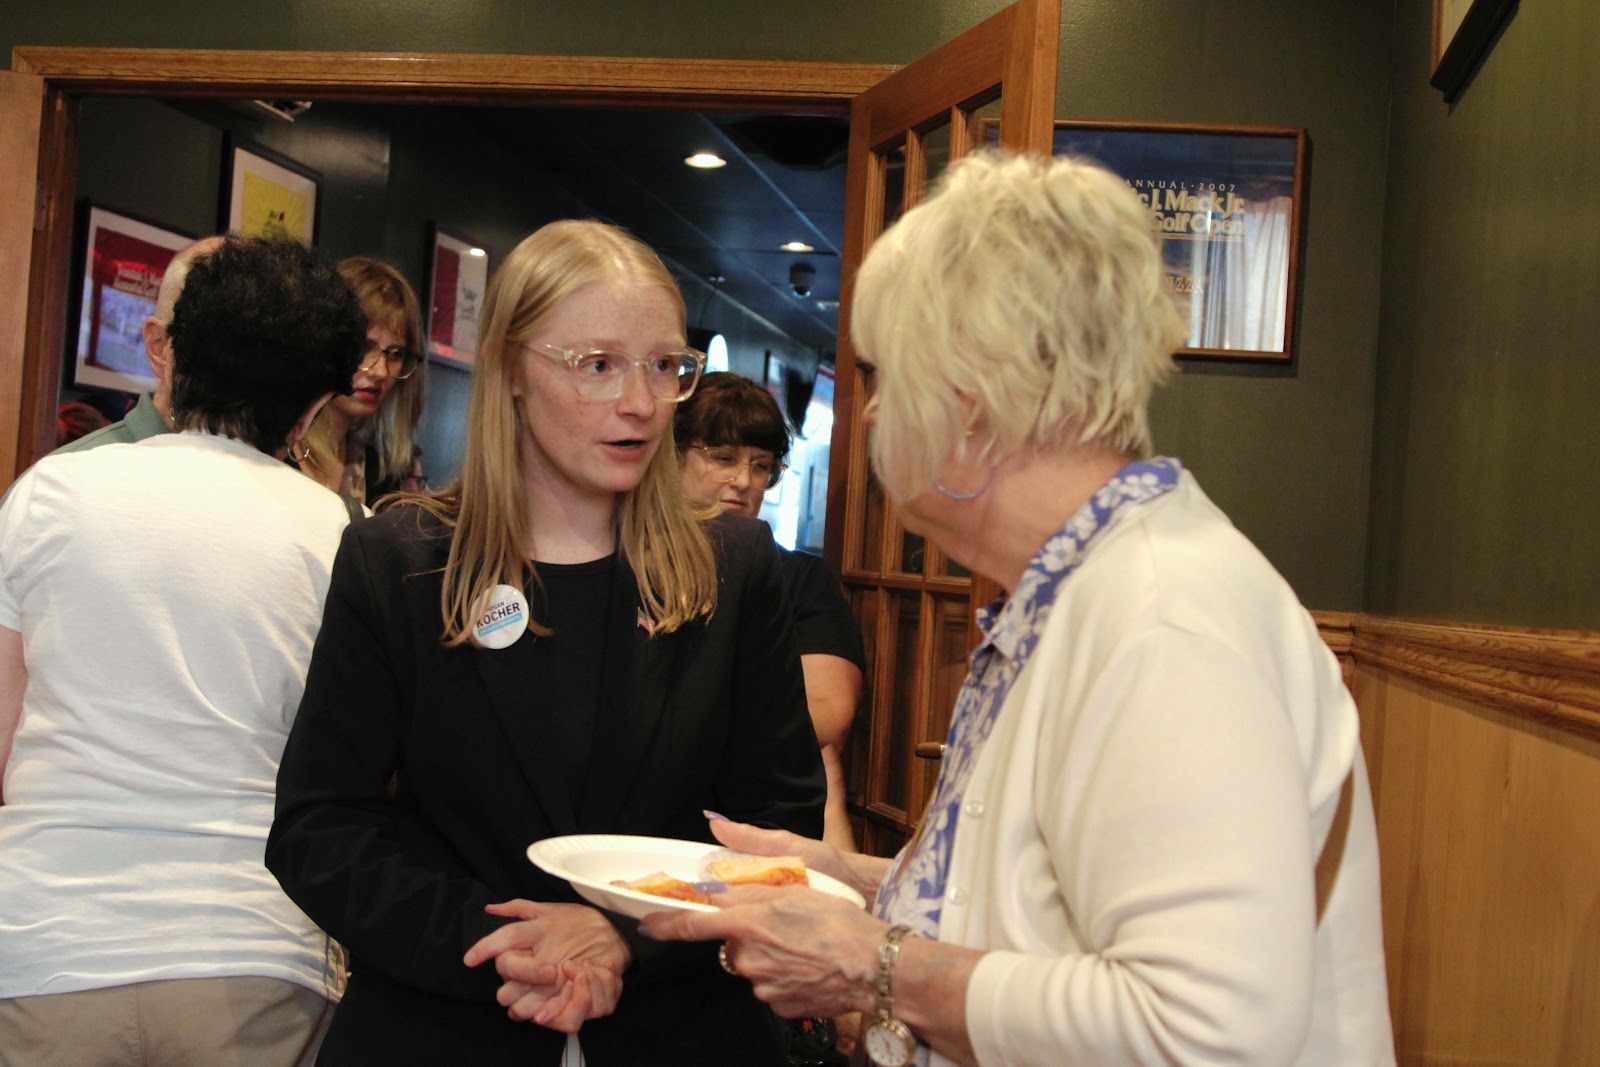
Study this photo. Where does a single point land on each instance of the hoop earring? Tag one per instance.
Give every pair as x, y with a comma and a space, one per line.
305, 451
951, 494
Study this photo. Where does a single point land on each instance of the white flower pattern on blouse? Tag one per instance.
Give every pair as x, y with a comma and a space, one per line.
913, 893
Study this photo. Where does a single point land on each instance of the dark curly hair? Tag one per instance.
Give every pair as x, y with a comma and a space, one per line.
728, 410
262, 328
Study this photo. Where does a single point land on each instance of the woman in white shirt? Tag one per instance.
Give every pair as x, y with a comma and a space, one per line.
158, 604
1152, 838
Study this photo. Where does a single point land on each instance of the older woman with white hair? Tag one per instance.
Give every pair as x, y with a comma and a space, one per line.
1152, 838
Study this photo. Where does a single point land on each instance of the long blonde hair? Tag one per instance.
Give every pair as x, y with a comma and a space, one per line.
659, 535
391, 304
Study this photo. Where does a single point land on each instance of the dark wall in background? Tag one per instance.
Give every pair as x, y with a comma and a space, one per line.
1484, 468
388, 174
446, 173
144, 157
1285, 451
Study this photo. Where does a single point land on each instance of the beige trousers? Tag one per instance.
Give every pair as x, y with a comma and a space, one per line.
190, 1022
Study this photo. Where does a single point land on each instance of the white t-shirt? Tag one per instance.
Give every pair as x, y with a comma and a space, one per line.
168, 593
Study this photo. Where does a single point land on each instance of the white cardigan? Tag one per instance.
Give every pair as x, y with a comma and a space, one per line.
1136, 846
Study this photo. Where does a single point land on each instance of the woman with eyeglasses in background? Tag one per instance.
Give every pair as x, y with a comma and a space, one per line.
363, 445
733, 443
554, 644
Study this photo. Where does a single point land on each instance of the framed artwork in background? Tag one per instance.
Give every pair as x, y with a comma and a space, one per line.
1463, 33
266, 194
122, 259
458, 276
1227, 203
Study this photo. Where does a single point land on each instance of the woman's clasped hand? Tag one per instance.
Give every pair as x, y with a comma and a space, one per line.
562, 963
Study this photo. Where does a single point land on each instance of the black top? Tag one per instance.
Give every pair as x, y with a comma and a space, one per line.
823, 621
415, 777
377, 487
570, 662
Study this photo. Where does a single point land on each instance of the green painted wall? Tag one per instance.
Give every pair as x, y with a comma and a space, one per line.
864, 31
1484, 466
1285, 450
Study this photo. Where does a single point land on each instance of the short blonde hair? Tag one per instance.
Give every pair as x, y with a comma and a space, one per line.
1031, 289
659, 534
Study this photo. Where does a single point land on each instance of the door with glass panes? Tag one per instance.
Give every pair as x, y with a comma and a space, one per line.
994, 82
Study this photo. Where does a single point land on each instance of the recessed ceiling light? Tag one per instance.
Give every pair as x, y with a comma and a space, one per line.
705, 160
476, 252
797, 246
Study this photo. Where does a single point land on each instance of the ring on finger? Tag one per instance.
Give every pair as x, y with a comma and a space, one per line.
722, 958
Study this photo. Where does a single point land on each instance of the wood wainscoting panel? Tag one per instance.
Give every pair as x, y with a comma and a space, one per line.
1483, 751
1488, 812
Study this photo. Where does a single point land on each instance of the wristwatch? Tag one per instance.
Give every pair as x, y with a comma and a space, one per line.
889, 1041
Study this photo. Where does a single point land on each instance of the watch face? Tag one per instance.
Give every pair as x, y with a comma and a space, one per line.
889, 1043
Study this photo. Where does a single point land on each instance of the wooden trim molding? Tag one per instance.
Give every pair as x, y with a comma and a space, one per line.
21, 108
1549, 675
1337, 630
454, 78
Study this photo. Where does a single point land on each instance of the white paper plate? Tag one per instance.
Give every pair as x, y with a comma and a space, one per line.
590, 862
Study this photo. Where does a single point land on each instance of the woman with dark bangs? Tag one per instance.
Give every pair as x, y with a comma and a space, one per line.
732, 443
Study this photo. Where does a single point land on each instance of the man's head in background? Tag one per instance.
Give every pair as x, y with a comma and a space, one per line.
157, 344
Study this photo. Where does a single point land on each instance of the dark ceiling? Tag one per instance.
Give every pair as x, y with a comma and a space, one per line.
784, 181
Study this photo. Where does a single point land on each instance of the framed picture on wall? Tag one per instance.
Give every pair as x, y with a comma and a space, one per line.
458, 275
122, 259
266, 194
1227, 202
1463, 32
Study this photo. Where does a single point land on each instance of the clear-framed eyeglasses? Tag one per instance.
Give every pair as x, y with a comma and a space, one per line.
599, 375
725, 464
403, 362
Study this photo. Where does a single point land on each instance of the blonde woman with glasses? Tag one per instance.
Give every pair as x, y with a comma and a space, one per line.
554, 644
363, 445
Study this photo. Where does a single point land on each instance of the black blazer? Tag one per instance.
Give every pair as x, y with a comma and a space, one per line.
413, 782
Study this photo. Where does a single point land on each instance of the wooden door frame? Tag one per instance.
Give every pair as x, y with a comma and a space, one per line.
1012, 57
21, 107
369, 77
